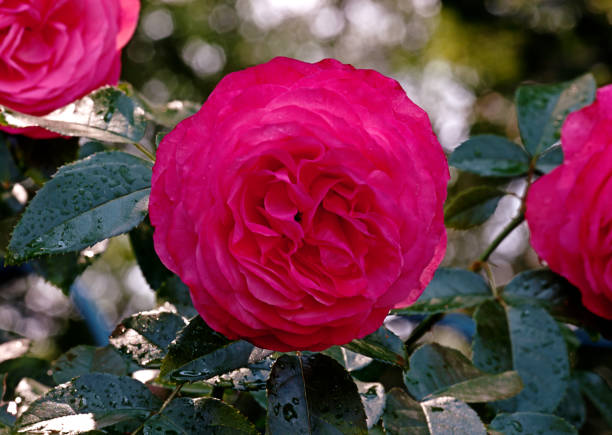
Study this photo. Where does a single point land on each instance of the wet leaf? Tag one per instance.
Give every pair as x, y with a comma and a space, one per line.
472, 207
440, 371
92, 401
450, 289
313, 394
491, 348
61, 270
88, 359
145, 336
382, 345
540, 356
85, 202
107, 114
252, 377
199, 353
199, 416
403, 415
572, 407
373, 400
531, 422
490, 156
152, 268
543, 108
447, 415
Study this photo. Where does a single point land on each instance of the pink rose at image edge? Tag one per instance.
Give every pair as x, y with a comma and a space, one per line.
73, 57
569, 211
301, 203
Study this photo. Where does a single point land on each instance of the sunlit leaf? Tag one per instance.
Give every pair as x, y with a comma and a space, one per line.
446, 415
85, 202
383, 345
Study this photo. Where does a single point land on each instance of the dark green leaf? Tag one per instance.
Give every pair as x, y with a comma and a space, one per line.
531, 423
61, 270
382, 345
472, 207
373, 400
88, 359
547, 289
92, 401
91, 147
199, 353
199, 416
403, 415
152, 268
440, 371
7, 420
550, 159
490, 156
107, 114
85, 202
450, 289
313, 394
491, 348
446, 415
598, 392
8, 169
572, 407
540, 356
542, 109
145, 336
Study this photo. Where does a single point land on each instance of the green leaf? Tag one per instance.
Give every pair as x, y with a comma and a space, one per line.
382, 345
546, 289
373, 401
313, 394
152, 268
199, 353
598, 393
61, 270
543, 108
107, 114
403, 415
174, 291
250, 378
490, 156
145, 336
89, 148
550, 159
472, 207
572, 407
84, 359
540, 356
446, 415
85, 202
440, 371
173, 112
8, 169
450, 289
531, 422
199, 416
92, 401
24, 367
491, 347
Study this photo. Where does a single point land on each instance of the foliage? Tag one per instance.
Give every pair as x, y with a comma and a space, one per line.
520, 374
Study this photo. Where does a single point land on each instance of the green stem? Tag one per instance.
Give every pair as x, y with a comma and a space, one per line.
170, 398
145, 151
497, 241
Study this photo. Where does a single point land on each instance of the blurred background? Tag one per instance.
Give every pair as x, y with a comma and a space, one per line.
461, 60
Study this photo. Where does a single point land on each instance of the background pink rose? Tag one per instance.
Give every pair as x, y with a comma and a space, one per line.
301, 203
53, 52
569, 211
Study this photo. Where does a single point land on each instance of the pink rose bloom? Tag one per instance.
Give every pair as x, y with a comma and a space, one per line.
53, 52
569, 211
301, 203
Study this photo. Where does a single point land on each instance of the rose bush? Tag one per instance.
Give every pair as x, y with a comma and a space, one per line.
301, 203
569, 211
55, 51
